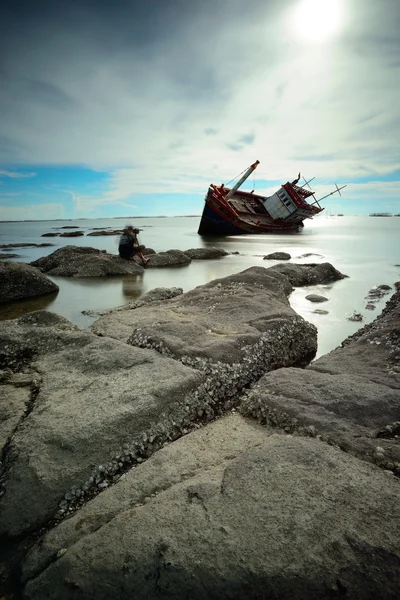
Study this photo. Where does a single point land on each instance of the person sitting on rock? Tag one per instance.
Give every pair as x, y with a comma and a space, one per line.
129, 246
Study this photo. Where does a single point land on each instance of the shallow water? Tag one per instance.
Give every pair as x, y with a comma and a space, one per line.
367, 249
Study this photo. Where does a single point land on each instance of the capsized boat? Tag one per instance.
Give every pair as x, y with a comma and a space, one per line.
230, 211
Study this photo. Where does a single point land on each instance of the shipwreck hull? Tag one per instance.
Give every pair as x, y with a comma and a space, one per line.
218, 220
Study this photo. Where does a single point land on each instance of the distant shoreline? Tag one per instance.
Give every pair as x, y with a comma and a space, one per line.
102, 218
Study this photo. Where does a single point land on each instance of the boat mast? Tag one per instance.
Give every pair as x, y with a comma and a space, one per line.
242, 179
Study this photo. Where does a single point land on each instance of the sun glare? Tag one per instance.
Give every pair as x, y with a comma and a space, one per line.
317, 20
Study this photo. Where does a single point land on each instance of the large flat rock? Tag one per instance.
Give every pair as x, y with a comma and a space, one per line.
20, 281
241, 319
350, 396
95, 396
230, 512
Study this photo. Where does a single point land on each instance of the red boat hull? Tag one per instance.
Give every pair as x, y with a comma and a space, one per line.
220, 218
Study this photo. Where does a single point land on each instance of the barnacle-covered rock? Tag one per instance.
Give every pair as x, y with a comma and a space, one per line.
347, 396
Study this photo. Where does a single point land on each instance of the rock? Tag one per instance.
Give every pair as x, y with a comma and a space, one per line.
243, 320
50, 234
20, 281
43, 318
357, 317
373, 297
68, 227
71, 234
205, 253
13, 403
316, 298
7, 256
159, 294
169, 258
106, 232
308, 274
82, 261
307, 254
153, 296
278, 256
230, 512
397, 285
346, 396
319, 311
96, 395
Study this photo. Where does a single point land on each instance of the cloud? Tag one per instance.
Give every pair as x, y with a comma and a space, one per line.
164, 95
16, 174
353, 193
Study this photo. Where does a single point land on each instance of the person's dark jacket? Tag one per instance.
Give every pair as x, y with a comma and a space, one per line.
127, 243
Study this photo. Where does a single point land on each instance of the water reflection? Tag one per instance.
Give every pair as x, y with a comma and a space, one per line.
132, 287
13, 310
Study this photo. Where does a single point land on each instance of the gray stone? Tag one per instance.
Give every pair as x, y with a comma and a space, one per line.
278, 256
243, 319
205, 253
20, 281
7, 256
316, 298
50, 234
105, 232
230, 512
72, 234
170, 258
308, 274
377, 292
77, 261
320, 311
356, 317
152, 297
347, 396
13, 402
96, 395
308, 254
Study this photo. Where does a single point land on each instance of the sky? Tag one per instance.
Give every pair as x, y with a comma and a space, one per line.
131, 108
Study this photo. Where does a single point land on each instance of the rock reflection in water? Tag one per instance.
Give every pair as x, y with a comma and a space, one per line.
13, 310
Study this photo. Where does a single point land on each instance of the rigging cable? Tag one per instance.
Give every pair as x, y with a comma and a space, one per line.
236, 177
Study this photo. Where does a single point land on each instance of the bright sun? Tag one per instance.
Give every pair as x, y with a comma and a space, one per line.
317, 20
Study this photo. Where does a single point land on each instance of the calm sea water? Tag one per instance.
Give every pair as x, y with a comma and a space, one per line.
367, 249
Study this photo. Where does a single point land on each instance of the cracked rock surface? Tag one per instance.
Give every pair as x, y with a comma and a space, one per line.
95, 395
105, 405
230, 511
350, 396
146, 482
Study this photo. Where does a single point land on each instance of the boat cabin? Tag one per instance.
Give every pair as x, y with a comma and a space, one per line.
289, 203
